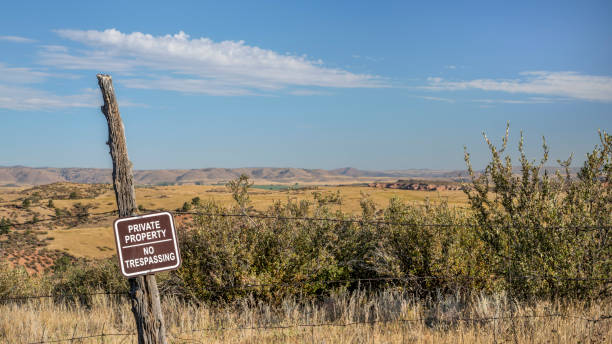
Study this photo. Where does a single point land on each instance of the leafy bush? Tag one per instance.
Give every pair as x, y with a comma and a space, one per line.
15, 282
186, 207
223, 252
533, 223
5, 225
75, 279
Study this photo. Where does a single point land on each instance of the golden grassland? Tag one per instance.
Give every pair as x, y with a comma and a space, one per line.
96, 241
91, 242
173, 197
387, 317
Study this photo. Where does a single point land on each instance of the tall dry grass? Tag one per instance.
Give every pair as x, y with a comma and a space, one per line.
384, 317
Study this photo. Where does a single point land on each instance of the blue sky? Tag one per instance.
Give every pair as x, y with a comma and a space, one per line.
374, 85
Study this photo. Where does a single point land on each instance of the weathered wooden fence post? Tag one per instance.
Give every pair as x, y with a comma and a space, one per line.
143, 289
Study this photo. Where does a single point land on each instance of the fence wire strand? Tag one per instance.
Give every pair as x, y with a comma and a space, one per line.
245, 287
313, 219
346, 324
378, 222
406, 279
102, 335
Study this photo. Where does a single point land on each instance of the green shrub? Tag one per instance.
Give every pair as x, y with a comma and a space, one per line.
186, 207
15, 282
532, 223
75, 279
223, 252
5, 225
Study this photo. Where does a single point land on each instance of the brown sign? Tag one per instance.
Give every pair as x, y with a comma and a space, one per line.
146, 244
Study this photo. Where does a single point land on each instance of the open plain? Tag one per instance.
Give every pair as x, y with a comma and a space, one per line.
93, 238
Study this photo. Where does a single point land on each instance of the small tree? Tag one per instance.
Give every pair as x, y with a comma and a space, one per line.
240, 190
5, 225
26, 203
81, 211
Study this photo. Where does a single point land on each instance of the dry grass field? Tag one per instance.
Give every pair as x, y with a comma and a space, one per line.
173, 197
95, 240
92, 242
387, 317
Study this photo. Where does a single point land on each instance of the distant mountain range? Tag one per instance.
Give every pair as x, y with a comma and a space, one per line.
20, 175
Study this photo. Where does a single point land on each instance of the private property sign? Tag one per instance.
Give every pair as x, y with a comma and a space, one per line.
146, 244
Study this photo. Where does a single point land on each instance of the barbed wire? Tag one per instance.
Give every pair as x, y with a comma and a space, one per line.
404, 280
378, 321
59, 295
62, 217
346, 324
83, 337
318, 219
379, 222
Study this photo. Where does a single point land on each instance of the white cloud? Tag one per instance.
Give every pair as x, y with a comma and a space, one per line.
210, 87
98, 61
307, 92
437, 99
555, 84
233, 66
16, 39
21, 75
26, 98
530, 100
15, 94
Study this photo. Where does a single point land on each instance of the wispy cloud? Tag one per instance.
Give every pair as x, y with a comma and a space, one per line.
437, 99
27, 98
554, 84
367, 58
17, 94
21, 75
17, 39
20, 90
306, 92
530, 100
202, 65
210, 87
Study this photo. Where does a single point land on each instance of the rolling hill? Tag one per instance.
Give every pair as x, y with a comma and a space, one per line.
21, 175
